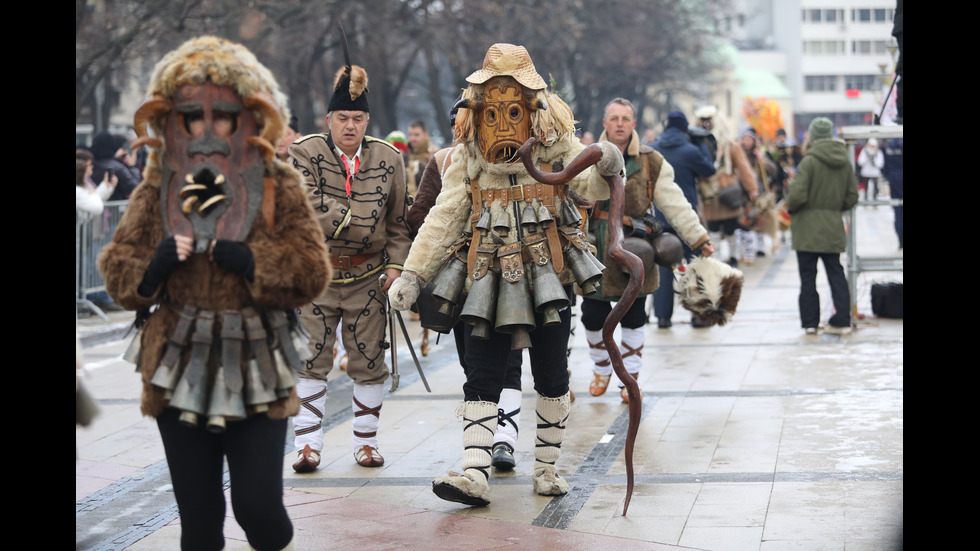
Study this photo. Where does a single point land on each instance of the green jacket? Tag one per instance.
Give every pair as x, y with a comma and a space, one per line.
824, 186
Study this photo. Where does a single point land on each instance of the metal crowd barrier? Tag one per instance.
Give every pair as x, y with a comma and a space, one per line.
855, 263
90, 236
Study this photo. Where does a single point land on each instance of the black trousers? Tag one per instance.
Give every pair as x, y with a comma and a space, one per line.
810, 299
254, 449
486, 360
595, 312
512, 375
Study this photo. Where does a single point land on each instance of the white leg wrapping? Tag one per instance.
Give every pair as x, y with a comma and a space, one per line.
632, 343
366, 403
471, 487
552, 416
598, 353
339, 344
508, 416
308, 424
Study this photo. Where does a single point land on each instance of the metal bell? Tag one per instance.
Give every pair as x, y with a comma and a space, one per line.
448, 285
586, 273
642, 249
190, 399
529, 219
483, 223
257, 395
515, 312
549, 295
501, 221
285, 376
544, 216
481, 304
668, 250
225, 405
569, 214
166, 377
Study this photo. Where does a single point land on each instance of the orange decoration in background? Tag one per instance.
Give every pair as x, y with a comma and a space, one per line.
763, 115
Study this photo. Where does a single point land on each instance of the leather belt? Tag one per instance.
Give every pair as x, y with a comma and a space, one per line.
542, 192
348, 262
604, 215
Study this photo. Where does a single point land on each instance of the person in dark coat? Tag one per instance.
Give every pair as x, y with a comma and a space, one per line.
107, 148
824, 187
691, 163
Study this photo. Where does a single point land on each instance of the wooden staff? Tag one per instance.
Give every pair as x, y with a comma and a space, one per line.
614, 244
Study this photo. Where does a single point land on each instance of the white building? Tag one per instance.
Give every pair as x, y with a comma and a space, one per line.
836, 57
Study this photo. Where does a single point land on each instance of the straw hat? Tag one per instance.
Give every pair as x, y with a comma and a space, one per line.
511, 61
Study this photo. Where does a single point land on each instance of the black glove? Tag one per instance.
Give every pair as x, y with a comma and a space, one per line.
164, 261
234, 257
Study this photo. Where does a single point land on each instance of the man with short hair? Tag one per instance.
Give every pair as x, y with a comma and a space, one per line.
649, 183
420, 150
356, 185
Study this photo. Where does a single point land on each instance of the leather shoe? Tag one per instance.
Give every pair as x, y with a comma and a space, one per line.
503, 456
309, 460
664, 323
366, 456
624, 394
599, 384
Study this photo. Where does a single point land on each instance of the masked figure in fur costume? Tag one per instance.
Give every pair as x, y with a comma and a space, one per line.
216, 250
488, 215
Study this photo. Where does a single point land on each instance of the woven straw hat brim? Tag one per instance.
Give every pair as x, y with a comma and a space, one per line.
508, 60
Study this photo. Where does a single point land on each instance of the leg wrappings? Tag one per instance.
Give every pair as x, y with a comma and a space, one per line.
471, 487
308, 424
508, 416
366, 403
552, 414
598, 353
633, 345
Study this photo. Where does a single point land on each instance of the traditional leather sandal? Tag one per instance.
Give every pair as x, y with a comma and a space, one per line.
599, 384
343, 363
367, 456
308, 460
625, 394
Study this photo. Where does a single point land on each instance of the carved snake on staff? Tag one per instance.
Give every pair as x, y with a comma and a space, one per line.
588, 157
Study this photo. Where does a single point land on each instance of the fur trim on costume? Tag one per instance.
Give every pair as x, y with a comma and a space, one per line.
710, 289
547, 482
220, 61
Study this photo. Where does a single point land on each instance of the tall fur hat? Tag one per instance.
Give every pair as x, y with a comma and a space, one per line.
710, 289
350, 88
223, 63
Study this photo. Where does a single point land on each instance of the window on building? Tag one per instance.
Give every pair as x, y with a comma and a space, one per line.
862, 15
880, 15
861, 82
812, 16
823, 47
820, 83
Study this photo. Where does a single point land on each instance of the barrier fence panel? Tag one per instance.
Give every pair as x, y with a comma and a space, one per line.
90, 236
857, 264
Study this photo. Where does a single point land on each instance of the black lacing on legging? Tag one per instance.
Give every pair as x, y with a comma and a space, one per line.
545, 424
507, 418
484, 469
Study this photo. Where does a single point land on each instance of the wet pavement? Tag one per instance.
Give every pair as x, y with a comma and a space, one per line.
754, 436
